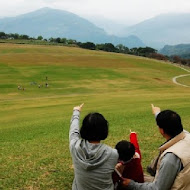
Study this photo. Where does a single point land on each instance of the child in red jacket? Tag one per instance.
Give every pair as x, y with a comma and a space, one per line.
130, 158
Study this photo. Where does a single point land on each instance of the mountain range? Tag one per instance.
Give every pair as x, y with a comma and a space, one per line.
54, 23
182, 50
165, 29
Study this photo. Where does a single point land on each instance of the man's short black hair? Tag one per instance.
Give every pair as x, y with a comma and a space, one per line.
125, 149
170, 122
94, 127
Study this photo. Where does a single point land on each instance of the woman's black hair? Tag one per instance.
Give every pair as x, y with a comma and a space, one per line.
94, 127
170, 122
125, 149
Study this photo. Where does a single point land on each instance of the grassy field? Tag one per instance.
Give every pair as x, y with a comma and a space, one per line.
34, 122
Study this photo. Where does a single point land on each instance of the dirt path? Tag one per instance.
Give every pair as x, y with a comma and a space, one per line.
176, 77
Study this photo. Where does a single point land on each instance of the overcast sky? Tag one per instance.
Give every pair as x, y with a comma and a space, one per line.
121, 11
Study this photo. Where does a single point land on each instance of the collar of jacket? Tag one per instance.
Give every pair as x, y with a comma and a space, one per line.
172, 141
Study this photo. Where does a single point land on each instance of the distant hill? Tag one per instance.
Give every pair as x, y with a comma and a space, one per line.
58, 23
182, 50
161, 30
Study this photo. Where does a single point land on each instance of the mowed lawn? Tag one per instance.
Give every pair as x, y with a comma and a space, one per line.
34, 122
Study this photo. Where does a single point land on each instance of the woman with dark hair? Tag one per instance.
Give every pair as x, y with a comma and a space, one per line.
93, 161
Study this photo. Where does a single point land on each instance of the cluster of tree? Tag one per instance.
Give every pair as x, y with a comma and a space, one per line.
3, 35
109, 47
87, 45
173, 58
146, 52
179, 60
64, 41
158, 56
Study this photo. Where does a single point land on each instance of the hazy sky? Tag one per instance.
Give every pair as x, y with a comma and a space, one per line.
121, 11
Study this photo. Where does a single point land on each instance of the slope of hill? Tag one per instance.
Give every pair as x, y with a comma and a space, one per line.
182, 50
58, 23
34, 123
161, 30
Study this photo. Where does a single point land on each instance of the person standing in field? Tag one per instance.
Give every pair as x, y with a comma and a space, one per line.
93, 161
173, 166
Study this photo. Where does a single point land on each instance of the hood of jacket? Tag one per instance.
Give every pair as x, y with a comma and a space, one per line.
89, 155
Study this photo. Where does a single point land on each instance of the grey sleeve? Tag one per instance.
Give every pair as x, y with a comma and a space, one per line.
74, 133
156, 114
170, 166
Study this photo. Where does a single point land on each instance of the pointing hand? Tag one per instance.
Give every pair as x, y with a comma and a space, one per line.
155, 110
79, 108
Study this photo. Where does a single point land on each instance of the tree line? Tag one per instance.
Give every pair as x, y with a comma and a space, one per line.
108, 47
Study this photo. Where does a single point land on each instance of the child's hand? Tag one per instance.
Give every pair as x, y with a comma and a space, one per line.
119, 167
132, 131
79, 108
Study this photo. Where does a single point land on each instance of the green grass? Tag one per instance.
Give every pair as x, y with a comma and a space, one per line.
34, 123
184, 80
